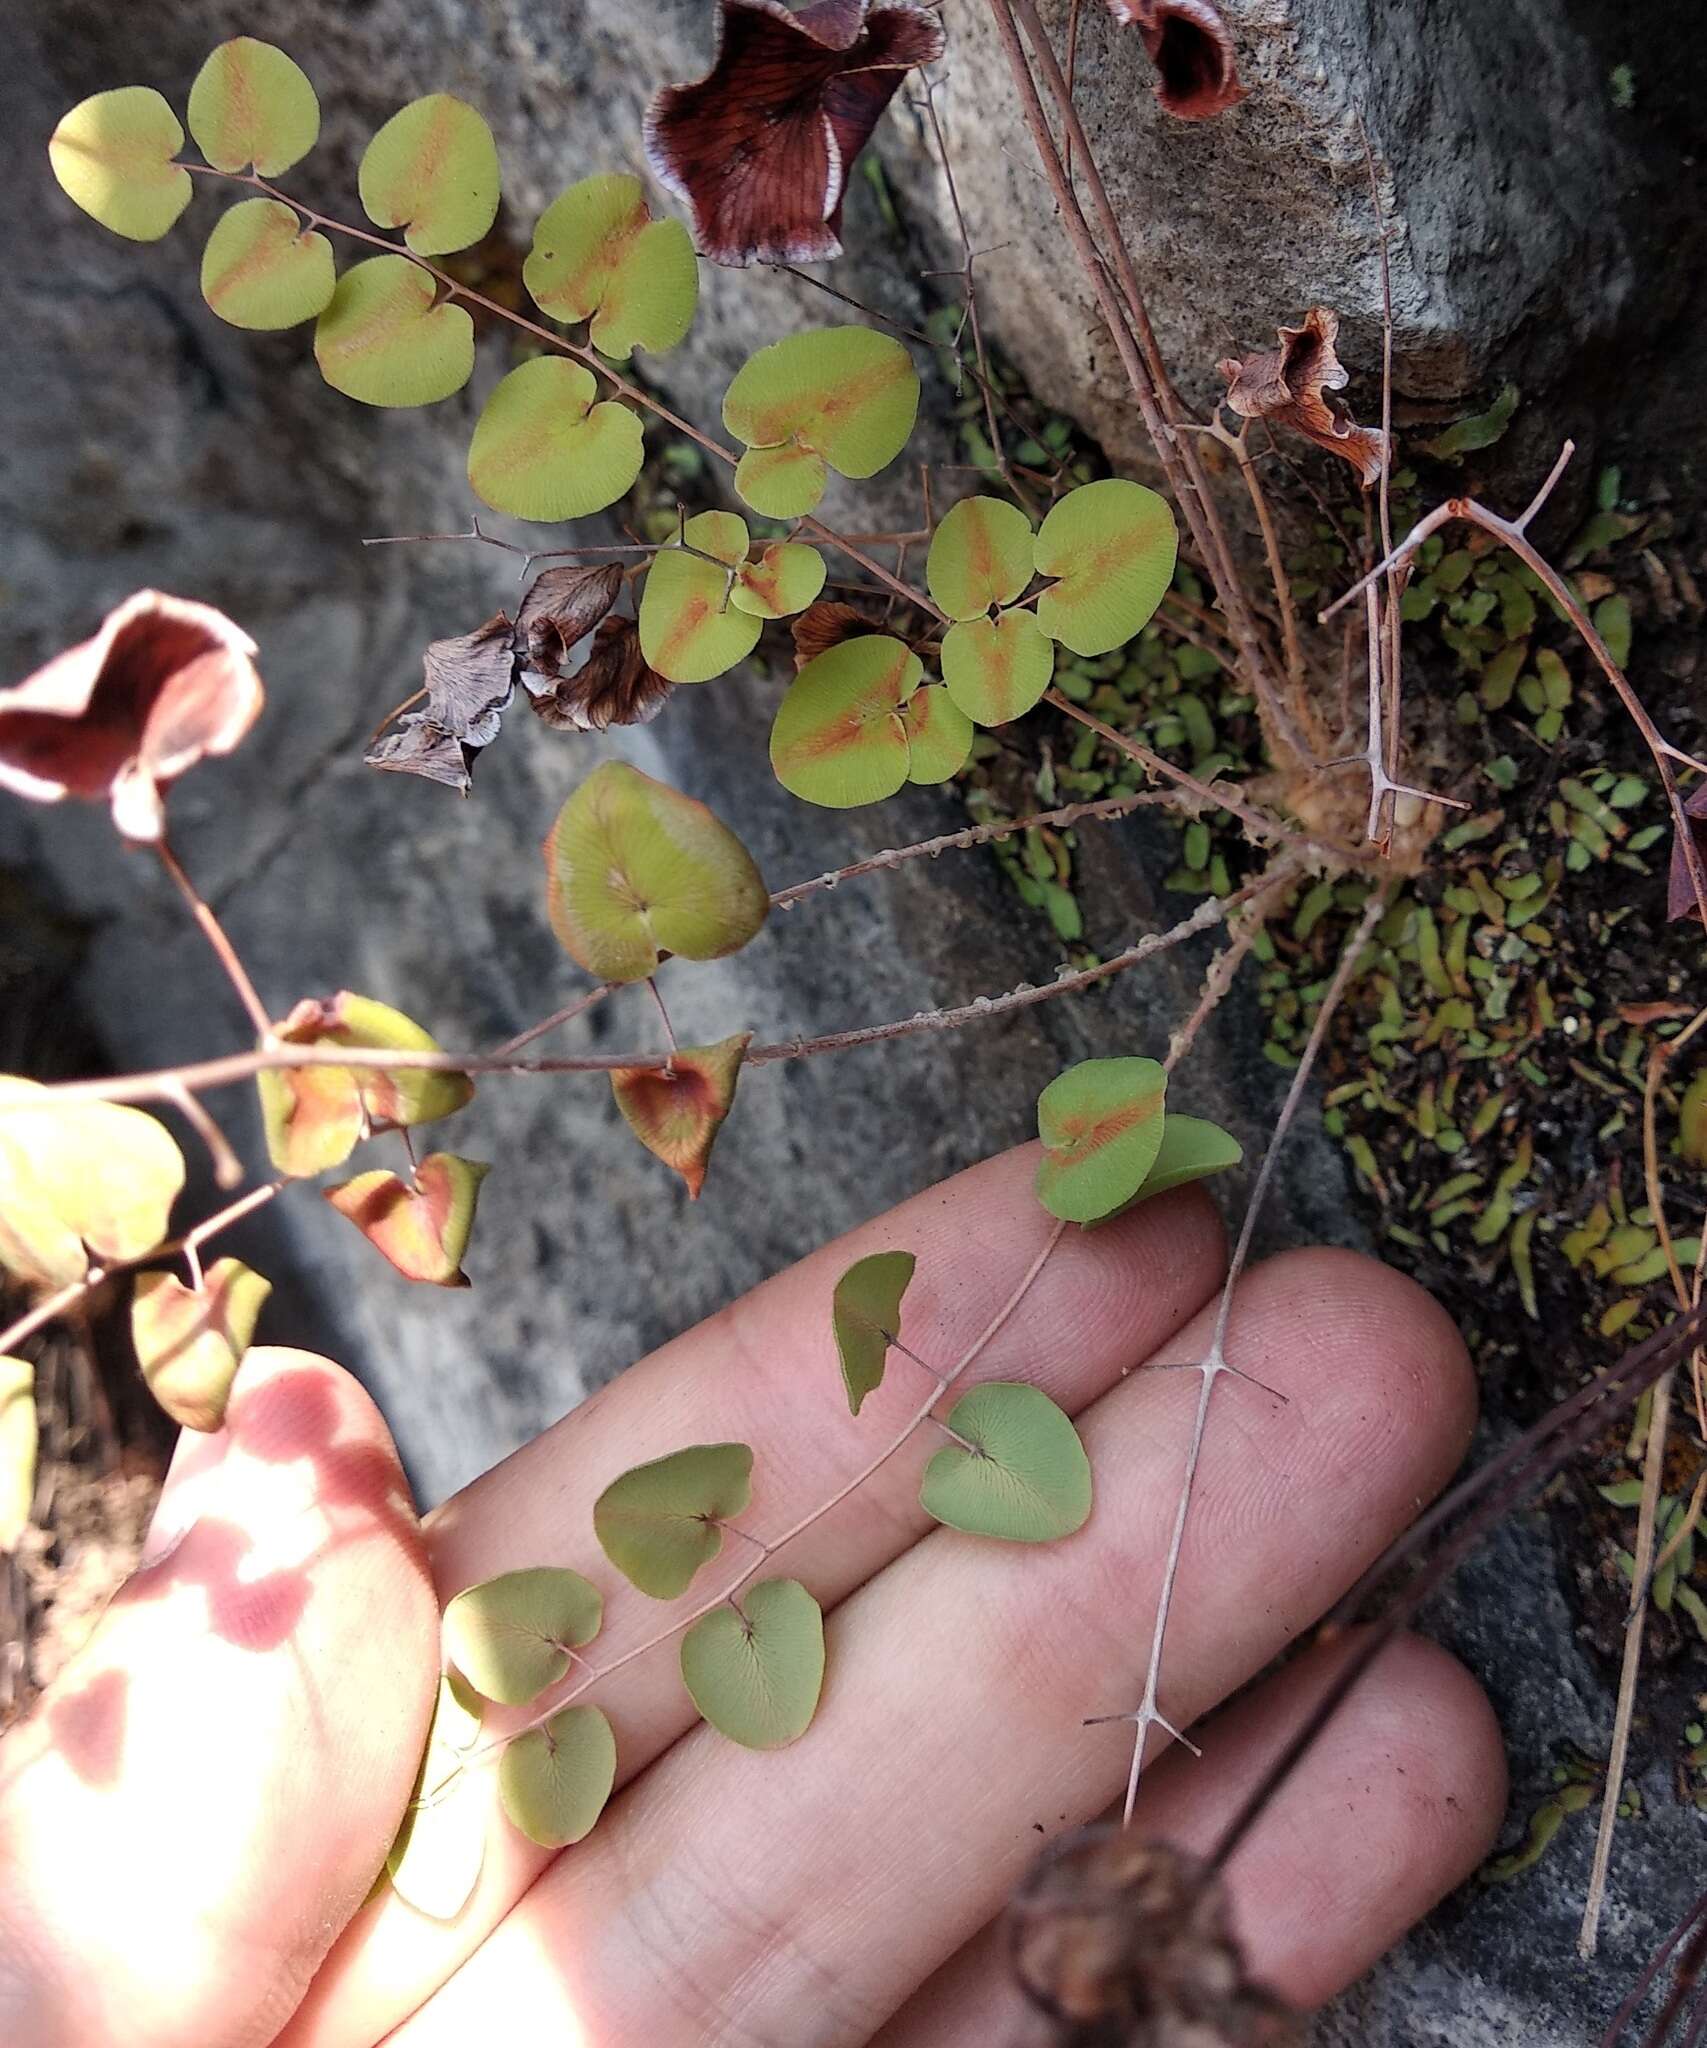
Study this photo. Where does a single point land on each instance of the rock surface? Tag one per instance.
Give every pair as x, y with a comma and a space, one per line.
147, 444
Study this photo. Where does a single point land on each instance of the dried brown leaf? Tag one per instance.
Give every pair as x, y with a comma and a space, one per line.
1681, 899
163, 684
561, 608
825, 625
760, 149
468, 682
1296, 383
614, 685
1190, 46
1119, 1942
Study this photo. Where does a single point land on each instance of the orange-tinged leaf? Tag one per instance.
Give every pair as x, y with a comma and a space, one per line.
1112, 545
251, 104
432, 170
847, 395
785, 579
939, 735
1101, 1125
112, 154
315, 1116
190, 1342
423, 1230
546, 448
385, 340
263, 270
838, 738
980, 557
635, 870
1297, 383
599, 255
997, 669
677, 1111
690, 627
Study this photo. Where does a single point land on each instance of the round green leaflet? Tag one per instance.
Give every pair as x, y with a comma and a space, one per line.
845, 397
1101, 1124
554, 1780
839, 738
691, 628
660, 1522
112, 154
756, 1673
980, 557
251, 104
1026, 1480
939, 735
865, 1318
635, 870
1112, 545
1192, 1148
383, 340
543, 449
997, 669
432, 170
435, 1860
599, 255
263, 270
512, 1636
785, 579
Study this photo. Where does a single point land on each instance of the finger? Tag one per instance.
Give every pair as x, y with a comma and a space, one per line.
200, 1802
765, 1371
813, 1889
1395, 1803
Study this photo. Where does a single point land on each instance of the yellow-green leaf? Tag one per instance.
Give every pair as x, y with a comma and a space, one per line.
677, 1111
1101, 1124
839, 738
190, 1341
1192, 1148
847, 396
661, 1521
1112, 546
1025, 1479
635, 870
383, 340
785, 579
980, 557
691, 628
263, 270
543, 448
997, 669
554, 1781
512, 1636
755, 1672
113, 154
422, 1228
865, 1319
77, 1174
939, 735
599, 255
18, 1437
432, 170
251, 104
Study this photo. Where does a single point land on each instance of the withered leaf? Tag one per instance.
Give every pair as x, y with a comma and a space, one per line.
163, 684
1681, 899
561, 608
1296, 384
469, 682
614, 685
1189, 45
760, 149
1120, 1942
827, 624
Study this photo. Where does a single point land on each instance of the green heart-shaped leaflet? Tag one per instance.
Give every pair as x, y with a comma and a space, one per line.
755, 1674
865, 1318
659, 1523
1026, 1479
1101, 1125
511, 1636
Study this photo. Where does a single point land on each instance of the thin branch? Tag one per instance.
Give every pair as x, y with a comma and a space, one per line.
214, 932
1148, 1715
569, 1011
1223, 970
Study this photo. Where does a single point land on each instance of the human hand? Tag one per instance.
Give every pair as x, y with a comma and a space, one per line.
192, 1818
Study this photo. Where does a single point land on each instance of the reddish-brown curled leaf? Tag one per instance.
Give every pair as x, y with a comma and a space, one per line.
824, 625
761, 147
1681, 900
677, 1111
1296, 384
561, 608
423, 1230
614, 685
190, 1341
1189, 45
469, 682
122, 716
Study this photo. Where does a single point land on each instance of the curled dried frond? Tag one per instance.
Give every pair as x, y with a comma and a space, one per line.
1681, 898
1190, 46
614, 685
1296, 383
827, 624
1119, 1942
163, 684
761, 147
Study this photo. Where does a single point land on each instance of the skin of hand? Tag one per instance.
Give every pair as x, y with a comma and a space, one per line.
193, 1817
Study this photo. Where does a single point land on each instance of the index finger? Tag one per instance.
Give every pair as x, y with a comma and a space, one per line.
765, 1371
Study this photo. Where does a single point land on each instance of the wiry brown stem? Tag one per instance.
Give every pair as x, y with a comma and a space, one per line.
214, 932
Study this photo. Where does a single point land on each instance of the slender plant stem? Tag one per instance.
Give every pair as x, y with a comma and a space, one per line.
214, 932
1215, 1363
770, 1546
